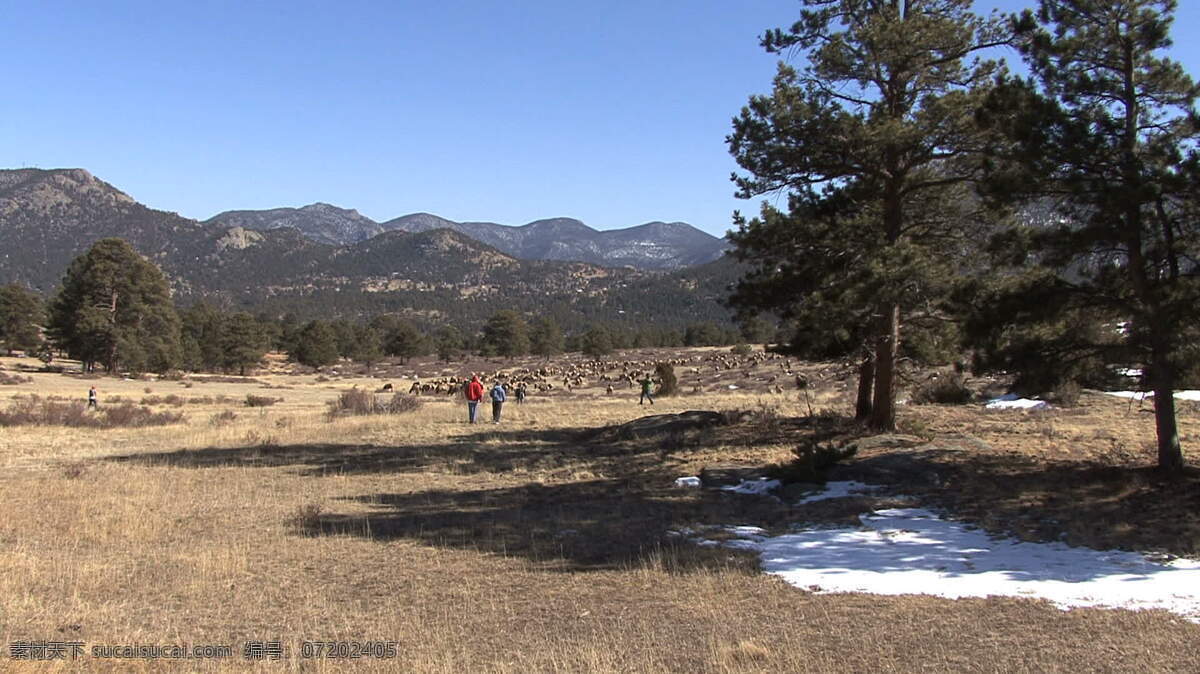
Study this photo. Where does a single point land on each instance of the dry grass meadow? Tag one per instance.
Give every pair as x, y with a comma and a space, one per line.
540, 544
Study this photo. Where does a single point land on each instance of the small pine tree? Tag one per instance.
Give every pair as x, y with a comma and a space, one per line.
596, 342
316, 345
449, 342
404, 341
506, 334
20, 315
368, 348
545, 338
243, 342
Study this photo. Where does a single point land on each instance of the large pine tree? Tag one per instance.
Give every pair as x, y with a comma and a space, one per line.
1106, 132
874, 140
114, 308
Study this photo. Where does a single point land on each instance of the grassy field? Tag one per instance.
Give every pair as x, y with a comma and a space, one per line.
540, 544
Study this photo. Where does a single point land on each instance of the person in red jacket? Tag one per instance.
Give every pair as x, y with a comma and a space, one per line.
474, 395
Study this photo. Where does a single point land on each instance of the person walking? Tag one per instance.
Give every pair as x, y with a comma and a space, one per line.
646, 384
521, 393
474, 395
93, 398
498, 398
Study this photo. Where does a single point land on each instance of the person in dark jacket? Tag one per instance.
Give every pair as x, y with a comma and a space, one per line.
498, 398
474, 395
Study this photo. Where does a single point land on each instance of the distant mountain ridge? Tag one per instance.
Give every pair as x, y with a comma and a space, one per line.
654, 245
435, 276
323, 223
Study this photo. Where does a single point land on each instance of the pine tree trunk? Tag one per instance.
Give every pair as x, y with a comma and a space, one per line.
1170, 454
883, 412
866, 380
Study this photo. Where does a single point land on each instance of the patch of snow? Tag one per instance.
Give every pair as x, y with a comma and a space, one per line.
687, 482
748, 532
838, 490
913, 551
1011, 401
1129, 372
1140, 395
1137, 395
759, 486
733, 387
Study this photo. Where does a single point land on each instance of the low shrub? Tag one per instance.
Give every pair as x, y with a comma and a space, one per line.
261, 401
813, 461
74, 470
172, 400
917, 427
306, 517
223, 418
358, 402
945, 390
36, 411
13, 379
130, 415
741, 350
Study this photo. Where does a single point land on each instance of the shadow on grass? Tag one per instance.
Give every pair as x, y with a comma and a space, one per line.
493, 451
630, 449
576, 521
590, 525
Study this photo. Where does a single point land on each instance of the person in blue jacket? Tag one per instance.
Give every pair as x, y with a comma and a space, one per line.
498, 398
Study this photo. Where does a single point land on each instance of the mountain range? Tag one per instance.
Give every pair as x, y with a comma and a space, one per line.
262, 260
654, 245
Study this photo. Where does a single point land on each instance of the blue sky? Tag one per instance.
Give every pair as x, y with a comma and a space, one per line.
613, 113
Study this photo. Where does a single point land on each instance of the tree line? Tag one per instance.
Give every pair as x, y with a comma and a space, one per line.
114, 311
1045, 223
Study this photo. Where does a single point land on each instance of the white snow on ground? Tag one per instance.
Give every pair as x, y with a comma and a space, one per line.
687, 481
838, 490
913, 551
759, 486
1011, 401
1139, 395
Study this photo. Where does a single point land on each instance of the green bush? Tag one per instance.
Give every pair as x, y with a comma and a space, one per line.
813, 461
944, 390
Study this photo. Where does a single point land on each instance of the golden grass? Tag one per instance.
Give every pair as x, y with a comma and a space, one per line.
527, 546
